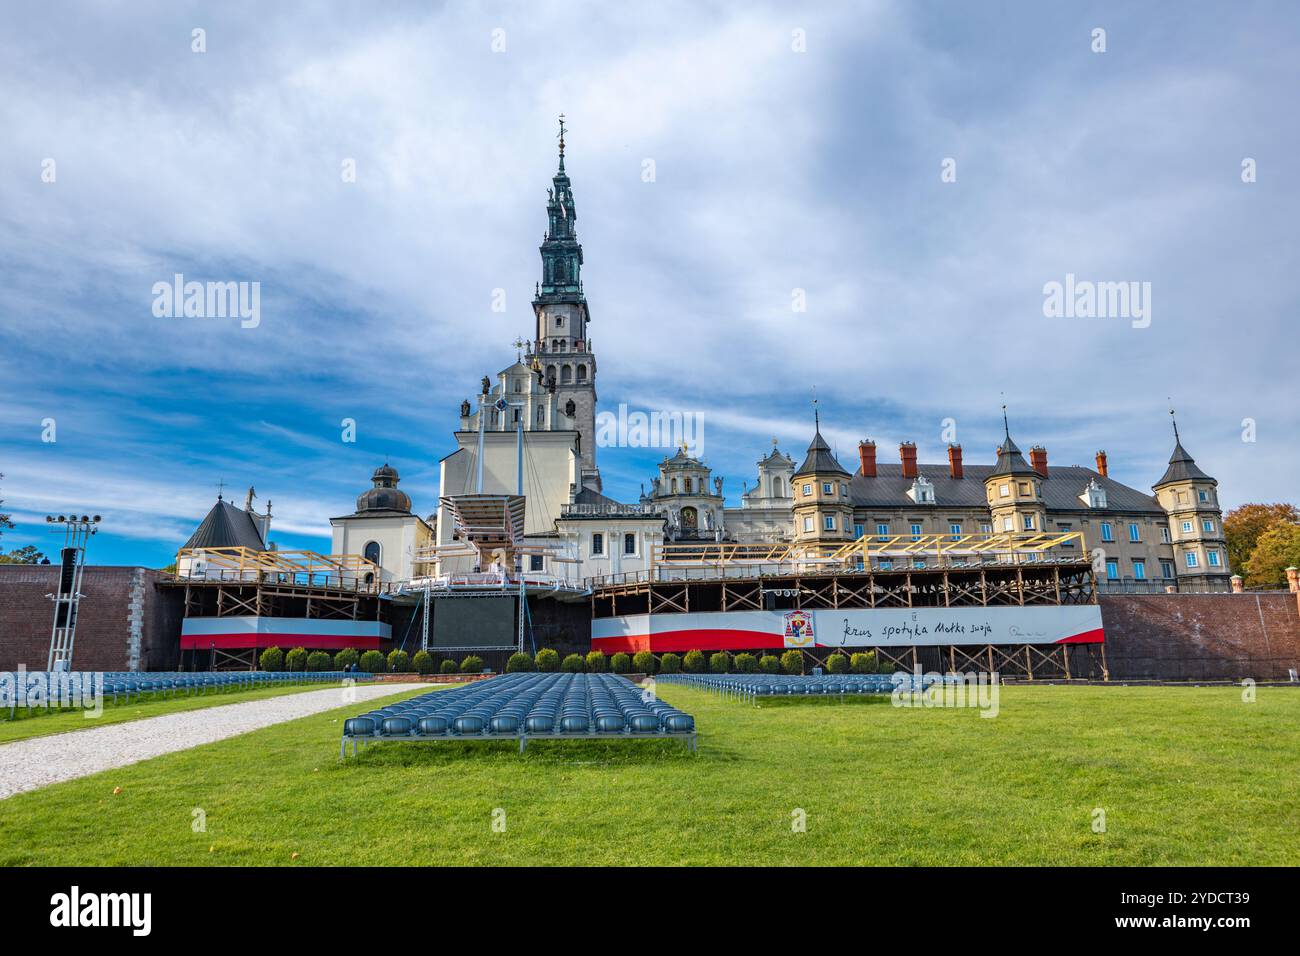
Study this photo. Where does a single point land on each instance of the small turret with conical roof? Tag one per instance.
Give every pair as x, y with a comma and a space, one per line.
1190, 498
823, 511
1014, 489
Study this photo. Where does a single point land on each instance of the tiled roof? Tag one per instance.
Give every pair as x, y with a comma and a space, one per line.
1182, 468
1061, 489
820, 460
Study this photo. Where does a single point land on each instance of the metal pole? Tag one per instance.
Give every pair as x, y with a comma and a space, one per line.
482, 409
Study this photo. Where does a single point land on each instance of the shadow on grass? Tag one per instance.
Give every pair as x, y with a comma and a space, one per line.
446, 753
829, 700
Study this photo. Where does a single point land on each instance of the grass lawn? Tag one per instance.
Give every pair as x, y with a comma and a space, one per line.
41, 723
1184, 775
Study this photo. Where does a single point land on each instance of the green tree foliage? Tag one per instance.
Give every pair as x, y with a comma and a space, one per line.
837, 664
520, 663
372, 662
272, 659
746, 664
1242, 529
572, 664
473, 664
345, 658
1278, 548
792, 662
719, 661
318, 661
670, 663
399, 662
694, 662
28, 554
596, 662
643, 662
548, 660
422, 662
769, 664
296, 659
620, 663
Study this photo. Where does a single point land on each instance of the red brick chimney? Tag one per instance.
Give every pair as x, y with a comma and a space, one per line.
1101, 463
867, 456
1038, 459
907, 455
954, 460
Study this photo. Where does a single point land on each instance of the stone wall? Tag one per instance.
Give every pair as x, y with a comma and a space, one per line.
1201, 636
124, 621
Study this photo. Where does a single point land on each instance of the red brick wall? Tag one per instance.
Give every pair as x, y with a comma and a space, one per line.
112, 598
1201, 636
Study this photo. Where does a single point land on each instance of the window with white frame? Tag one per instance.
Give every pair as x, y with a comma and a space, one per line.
1139, 569
882, 531
916, 532
1164, 534
1004, 490
1008, 524
1106, 533
1134, 532
536, 562
858, 531
1207, 525
1213, 557
986, 528
597, 542
807, 490
629, 543
1029, 522
1166, 569
1192, 560
828, 522
826, 488
807, 523
1187, 527
955, 530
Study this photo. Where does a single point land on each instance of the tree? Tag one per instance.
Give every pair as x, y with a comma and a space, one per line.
272, 659
548, 660
792, 662
1278, 548
572, 664
24, 555
596, 663
1243, 526
5, 521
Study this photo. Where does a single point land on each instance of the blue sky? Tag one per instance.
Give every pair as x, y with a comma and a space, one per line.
775, 170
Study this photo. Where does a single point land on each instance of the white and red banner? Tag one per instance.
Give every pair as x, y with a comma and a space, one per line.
857, 627
203, 633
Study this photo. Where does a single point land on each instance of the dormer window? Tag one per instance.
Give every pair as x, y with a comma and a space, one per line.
1094, 496
922, 491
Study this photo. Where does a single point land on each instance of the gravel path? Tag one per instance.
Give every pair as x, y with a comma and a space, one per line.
41, 761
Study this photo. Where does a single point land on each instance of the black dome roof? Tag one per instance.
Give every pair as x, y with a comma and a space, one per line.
385, 495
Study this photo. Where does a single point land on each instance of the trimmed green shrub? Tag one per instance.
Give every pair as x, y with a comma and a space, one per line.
596, 663
694, 662
448, 667
272, 659
296, 659
422, 662
372, 662
864, 663
792, 662
572, 664
520, 663
643, 662
769, 664
670, 663
318, 661
837, 664
472, 664
548, 660
345, 658
746, 664
719, 662
399, 662
620, 663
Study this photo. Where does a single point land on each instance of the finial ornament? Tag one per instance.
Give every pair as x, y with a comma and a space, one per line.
1174, 419
221, 489
562, 131
817, 420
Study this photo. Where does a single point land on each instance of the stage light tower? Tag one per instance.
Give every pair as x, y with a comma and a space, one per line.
76, 535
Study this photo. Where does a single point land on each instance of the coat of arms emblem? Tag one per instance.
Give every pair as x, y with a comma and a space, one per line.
798, 629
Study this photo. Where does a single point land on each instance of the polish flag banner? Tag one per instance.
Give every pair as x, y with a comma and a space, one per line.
203, 633
848, 628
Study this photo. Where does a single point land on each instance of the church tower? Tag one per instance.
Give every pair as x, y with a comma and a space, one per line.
562, 347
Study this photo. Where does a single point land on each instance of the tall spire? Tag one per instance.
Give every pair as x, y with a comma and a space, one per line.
1174, 419
561, 142
561, 253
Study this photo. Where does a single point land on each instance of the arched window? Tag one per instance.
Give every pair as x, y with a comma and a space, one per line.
371, 551
541, 415
582, 373
566, 375
777, 491
550, 371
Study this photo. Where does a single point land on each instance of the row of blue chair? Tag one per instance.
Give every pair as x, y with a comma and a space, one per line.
750, 686
523, 707
47, 690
